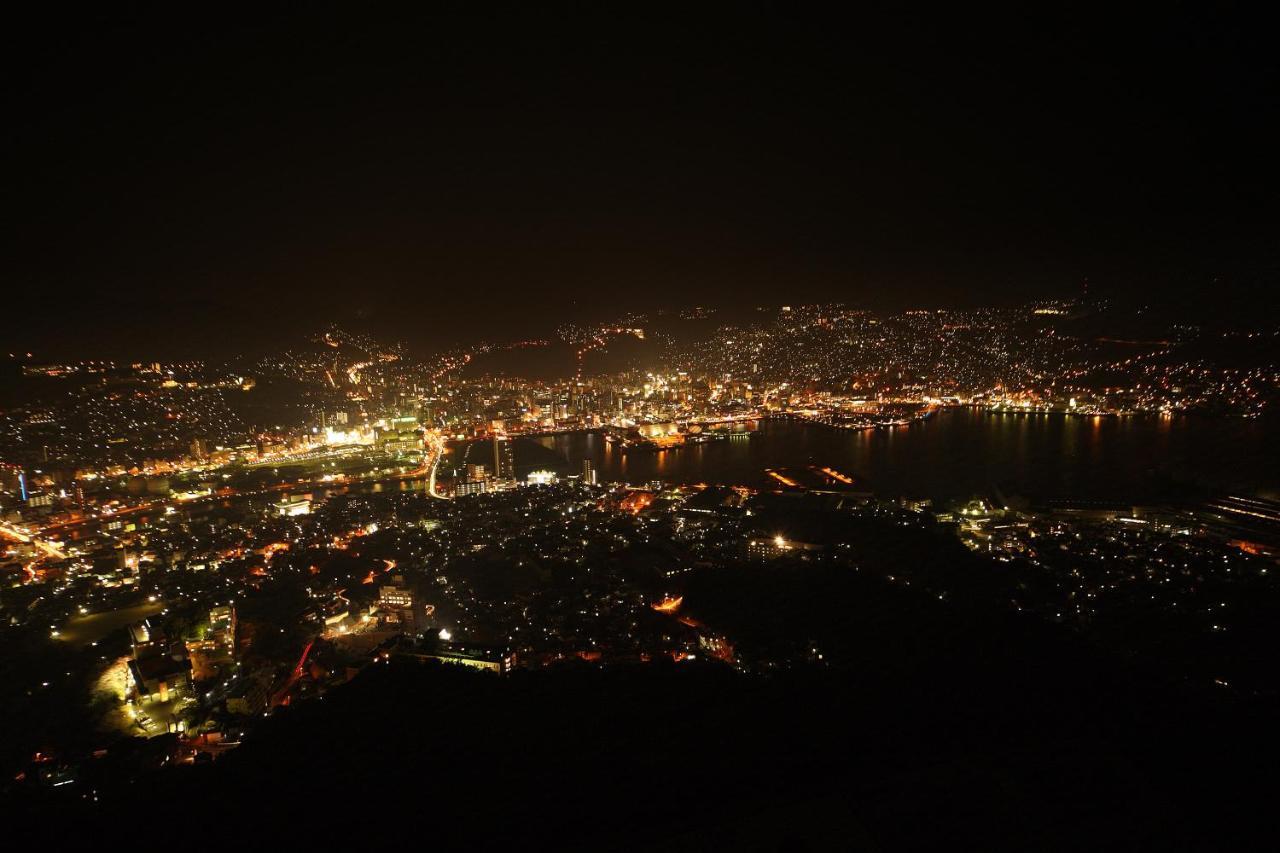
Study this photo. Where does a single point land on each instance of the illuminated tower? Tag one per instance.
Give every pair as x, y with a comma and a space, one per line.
588, 472
504, 463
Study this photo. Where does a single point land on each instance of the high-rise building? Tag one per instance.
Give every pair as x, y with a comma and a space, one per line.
504, 462
588, 472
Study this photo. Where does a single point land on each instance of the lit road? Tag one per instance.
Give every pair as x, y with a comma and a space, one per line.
432, 453
436, 444
281, 696
49, 549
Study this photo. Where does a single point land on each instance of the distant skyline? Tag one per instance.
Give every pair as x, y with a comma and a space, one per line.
198, 185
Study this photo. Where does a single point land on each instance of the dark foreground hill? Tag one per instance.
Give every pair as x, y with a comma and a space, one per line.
1011, 736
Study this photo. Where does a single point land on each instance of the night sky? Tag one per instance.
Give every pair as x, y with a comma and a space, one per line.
208, 183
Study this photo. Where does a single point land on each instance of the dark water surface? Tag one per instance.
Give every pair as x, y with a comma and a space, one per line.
961, 452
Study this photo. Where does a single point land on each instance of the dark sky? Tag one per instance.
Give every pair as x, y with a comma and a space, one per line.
216, 181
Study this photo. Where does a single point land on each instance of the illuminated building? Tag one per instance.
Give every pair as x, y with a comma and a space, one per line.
504, 464
222, 626
470, 487
157, 671
491, 658
294, 506
588, 472
541, 478
777, 546
141, 639
396, 605
400, 442
161, 676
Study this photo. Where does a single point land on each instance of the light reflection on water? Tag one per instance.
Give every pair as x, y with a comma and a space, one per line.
960, 452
